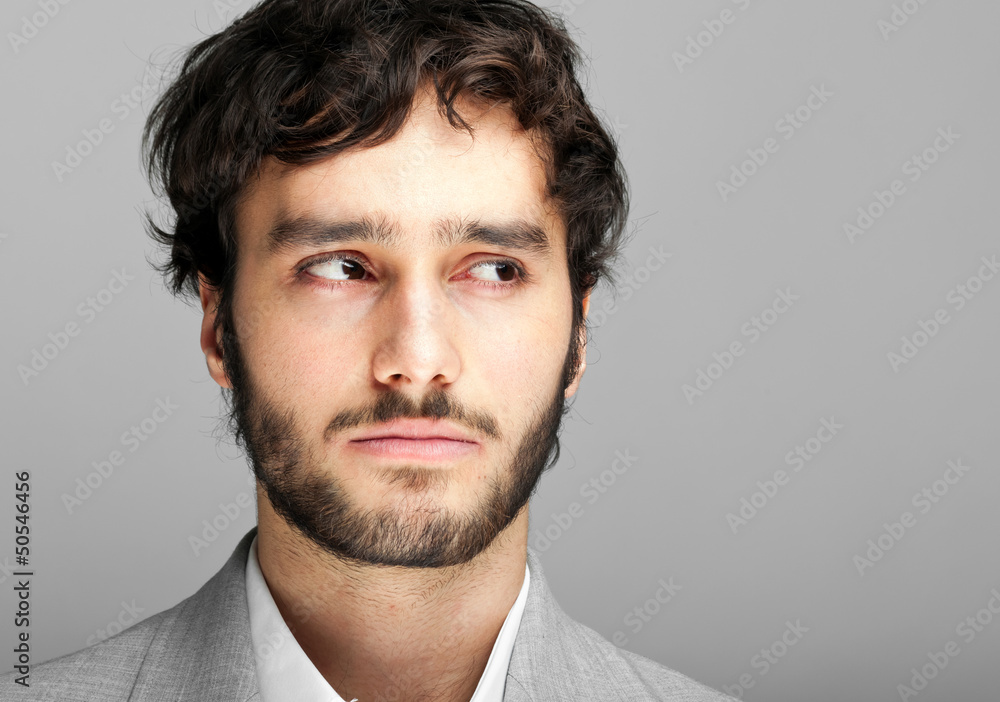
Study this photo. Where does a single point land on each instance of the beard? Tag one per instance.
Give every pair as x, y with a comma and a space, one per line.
417, 533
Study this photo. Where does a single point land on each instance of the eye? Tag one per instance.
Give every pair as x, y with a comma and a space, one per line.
338, 268
505, 271
333, 270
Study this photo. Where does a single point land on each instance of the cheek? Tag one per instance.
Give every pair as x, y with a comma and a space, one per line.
522, 364
297, 360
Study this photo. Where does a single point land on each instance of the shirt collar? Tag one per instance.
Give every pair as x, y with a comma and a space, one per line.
284, 671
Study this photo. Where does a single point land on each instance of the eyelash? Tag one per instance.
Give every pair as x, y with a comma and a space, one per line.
301, 271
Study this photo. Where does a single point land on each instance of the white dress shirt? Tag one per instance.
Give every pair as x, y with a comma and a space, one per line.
284, 671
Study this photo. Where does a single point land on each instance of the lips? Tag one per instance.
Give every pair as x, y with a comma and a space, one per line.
423, 440
417, 430
424, 450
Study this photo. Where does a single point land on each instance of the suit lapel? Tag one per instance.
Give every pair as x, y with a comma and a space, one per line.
204, 652
556, 658
540, 659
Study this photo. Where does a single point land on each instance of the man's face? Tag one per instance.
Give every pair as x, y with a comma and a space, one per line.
420, 281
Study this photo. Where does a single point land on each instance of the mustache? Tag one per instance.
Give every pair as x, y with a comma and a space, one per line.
394, 404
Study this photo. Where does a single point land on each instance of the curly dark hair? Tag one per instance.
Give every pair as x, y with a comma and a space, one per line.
302, 80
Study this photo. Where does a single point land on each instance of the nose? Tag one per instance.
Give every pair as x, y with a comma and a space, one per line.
417, 345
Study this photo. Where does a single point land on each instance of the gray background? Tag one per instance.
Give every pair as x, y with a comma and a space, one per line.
664, 517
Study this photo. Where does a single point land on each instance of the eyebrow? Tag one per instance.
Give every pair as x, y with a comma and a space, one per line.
305, 231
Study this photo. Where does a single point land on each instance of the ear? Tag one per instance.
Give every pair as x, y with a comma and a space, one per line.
211, 340
572, 387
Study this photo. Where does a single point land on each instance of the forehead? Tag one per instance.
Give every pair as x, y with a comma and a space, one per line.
425, 184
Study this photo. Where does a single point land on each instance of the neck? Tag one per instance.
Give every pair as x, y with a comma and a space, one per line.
388, 632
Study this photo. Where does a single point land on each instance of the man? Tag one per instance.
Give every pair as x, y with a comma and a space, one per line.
393, 213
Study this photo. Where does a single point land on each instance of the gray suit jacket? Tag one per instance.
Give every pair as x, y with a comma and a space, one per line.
200, 649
